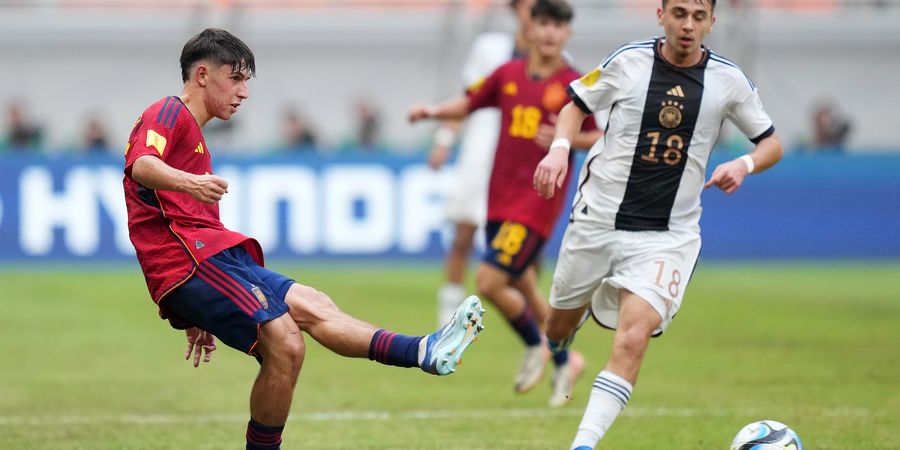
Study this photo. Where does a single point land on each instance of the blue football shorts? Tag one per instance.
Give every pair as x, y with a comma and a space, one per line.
230, 296
511, 246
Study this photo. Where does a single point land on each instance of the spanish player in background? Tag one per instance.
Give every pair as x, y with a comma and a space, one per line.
467, 198
634, 237
210, 281
529, 93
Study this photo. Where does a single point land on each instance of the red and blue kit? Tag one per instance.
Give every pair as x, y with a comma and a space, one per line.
172, 233
525, 103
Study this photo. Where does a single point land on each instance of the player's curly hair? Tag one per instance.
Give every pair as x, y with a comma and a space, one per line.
557, 10
220, 47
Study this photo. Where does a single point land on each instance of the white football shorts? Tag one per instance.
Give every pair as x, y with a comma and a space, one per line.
594, 263
467, 198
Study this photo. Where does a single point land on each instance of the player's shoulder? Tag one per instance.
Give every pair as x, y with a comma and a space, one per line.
634, 49
723, 66
513, 66
166, 112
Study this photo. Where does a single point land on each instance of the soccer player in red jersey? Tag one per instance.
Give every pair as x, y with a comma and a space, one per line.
529, 93
211, 281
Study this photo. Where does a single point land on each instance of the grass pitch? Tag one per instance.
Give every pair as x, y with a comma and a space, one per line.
86, 364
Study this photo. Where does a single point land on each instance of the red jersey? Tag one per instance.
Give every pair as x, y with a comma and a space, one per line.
171, 231
525, 104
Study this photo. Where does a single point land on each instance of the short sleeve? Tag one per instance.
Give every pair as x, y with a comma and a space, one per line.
748, 113
483, 94
153, 134
597, 89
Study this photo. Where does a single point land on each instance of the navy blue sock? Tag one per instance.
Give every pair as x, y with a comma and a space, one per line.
527, 328
263, 437
561, 357
395, 349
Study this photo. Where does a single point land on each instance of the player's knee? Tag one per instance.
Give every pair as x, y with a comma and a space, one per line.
633, 339
488, 283
462, 243
308, 306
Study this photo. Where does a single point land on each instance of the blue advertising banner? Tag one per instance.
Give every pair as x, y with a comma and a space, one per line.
382, 206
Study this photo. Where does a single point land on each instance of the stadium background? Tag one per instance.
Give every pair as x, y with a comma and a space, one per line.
815, 236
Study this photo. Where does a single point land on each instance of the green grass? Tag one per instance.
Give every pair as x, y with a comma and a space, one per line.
86, 364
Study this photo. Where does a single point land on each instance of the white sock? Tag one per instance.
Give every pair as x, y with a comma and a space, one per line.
609, 396
449, 297
422, 346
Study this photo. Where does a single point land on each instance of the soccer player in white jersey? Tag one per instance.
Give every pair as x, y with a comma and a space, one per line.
467, 199
634, 238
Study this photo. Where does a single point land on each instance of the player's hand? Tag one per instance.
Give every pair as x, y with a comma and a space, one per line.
551, 172
438, 156
728, 176
206, 188
419, 112
545, 136
199, 342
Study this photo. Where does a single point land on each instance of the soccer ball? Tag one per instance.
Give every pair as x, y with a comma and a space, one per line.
766, 435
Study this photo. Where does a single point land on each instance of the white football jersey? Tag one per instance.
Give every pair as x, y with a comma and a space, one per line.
648, 170
467, 198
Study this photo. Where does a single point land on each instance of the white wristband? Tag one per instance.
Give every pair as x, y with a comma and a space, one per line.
749, 162
444, 137
561, 142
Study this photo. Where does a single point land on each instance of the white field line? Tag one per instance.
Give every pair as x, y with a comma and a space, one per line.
350, 416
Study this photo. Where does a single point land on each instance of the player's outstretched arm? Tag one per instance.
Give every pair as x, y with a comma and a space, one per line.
551, 171
730, 176
154, 173
455, 109
199, 341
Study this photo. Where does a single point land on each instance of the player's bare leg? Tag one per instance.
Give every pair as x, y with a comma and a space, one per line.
527, 284
613, 386
438, 353
494, 284
316, 314
453, 292
282, 350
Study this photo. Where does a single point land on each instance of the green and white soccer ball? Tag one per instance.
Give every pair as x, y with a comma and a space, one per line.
766, 435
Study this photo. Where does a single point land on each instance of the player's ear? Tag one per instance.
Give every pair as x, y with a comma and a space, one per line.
659, 14
202, 74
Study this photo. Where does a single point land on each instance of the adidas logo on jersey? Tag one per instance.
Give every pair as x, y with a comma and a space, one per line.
199, 148
675, 91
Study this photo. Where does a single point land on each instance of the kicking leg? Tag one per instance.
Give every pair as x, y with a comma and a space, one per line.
282, 350
613, 386
439, 353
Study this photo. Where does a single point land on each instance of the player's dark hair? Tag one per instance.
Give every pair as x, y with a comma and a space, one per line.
556, 10
219, 47
712, 2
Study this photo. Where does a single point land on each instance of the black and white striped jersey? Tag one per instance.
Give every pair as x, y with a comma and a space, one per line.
648, 171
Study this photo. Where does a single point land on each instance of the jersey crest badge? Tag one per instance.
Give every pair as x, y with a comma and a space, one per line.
589, 79
511, 88
554, 97
156, 141
260, 296
670, 114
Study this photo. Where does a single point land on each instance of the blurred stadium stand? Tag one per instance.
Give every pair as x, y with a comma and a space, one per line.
66, 58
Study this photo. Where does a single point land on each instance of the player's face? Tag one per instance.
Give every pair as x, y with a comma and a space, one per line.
549, 37
225, 91
686, 23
